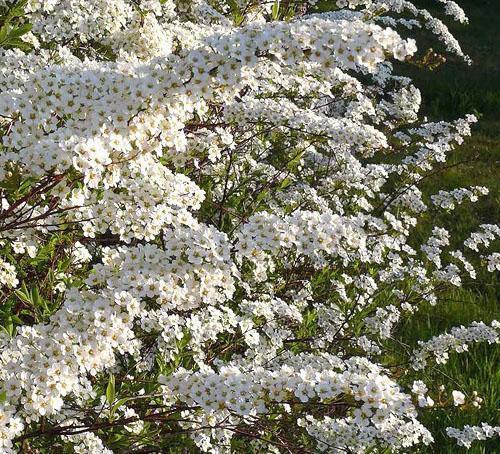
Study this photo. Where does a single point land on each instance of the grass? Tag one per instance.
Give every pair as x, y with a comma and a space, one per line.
451, 91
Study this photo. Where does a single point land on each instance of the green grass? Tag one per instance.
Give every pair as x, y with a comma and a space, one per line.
473, 371
451, 91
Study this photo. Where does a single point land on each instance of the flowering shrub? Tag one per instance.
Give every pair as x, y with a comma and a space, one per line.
208, 216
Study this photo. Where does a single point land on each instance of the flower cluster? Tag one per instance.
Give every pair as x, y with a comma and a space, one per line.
233, 393
449, 199
458, 340
8, 274
466, 436
419, 388
484, 236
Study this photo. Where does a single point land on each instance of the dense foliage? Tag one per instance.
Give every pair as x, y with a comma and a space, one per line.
208, 224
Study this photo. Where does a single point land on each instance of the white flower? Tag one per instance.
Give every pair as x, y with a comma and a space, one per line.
458, 398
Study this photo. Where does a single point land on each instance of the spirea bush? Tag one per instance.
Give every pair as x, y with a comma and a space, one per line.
208, 217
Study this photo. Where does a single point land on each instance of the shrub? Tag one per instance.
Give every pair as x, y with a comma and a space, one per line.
208, 216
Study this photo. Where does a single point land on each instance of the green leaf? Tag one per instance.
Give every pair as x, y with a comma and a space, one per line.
35, 296
18, 43
275, 10
119, 403
39, 301
16, 319
4, 31
46, 252
23, 294
235, 11
18, 9
9, 326
20, 31
110, 389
